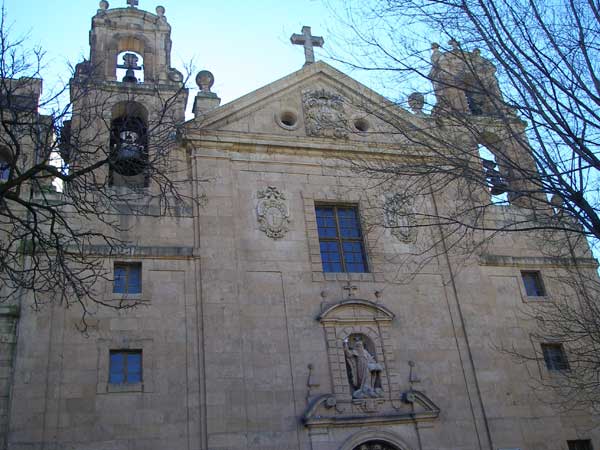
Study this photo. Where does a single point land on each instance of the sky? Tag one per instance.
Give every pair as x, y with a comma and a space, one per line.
244, 44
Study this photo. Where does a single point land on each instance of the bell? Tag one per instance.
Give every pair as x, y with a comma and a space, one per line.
129, 159
130, 77
496, 183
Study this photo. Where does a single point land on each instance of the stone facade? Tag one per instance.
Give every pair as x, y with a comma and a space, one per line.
245, 339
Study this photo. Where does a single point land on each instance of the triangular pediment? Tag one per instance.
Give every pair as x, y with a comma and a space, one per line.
317, 101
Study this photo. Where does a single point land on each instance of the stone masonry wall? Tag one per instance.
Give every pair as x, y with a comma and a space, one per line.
8, 325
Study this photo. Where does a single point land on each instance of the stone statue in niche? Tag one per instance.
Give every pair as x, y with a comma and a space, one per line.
272, 212
364, 372
324, 114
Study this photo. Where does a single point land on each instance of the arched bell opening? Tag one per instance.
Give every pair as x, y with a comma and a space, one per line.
495, 181
481, 94
130, 67
129, 146
496, 158
130, 58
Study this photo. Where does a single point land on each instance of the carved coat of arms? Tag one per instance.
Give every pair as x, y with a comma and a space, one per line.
399, 217
324, 114
272, 212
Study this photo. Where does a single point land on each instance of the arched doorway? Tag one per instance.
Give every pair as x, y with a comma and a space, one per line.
375, 440
376, 445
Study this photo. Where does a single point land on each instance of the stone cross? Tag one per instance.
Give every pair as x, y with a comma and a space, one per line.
133, 3
309, 42
351, 290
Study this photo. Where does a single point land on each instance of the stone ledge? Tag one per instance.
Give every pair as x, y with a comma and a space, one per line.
141, 251
537, 261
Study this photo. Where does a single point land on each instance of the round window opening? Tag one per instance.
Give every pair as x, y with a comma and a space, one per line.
361, 125
288, 118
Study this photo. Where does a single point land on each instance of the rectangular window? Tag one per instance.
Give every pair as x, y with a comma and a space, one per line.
555, 357
4, 170
125, 367
127, 278
340, 239
580, 444
534, 287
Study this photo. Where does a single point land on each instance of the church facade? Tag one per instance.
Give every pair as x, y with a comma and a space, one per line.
268, 313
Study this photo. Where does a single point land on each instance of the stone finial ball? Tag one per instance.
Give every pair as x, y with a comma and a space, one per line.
104, 5
205, 80
416, 101
160, 11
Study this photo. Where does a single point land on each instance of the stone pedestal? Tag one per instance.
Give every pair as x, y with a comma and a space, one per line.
205, 101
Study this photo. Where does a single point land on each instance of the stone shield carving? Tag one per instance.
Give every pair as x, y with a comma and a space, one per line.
324, 114
272, 212
399, 217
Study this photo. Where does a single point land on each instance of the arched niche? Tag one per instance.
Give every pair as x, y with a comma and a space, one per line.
370, 439
128, 145
352, 319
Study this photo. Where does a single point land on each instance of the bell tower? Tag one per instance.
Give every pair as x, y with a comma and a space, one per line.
127, 99
118, 33
469, 98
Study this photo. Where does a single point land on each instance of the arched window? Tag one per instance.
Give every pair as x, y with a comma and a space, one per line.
376, 445
129, 146
130, 67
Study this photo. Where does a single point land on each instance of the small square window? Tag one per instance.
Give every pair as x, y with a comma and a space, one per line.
125, 367
534, 287
127, 278
340, 239
580, 444
555, 357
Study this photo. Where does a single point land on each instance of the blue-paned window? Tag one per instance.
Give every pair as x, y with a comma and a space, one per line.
534, 287
555, 357
127, 278
4, 170
125, 367
340, 239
